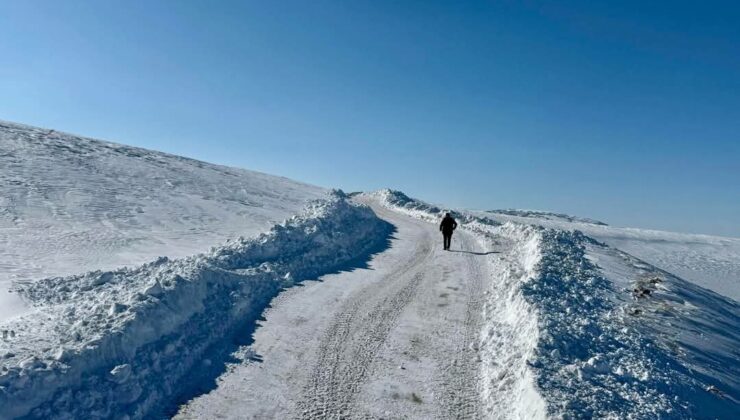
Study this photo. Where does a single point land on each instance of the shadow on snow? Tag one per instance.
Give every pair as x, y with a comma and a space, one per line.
474, 253
202, 379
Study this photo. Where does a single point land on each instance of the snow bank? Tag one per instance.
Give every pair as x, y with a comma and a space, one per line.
578, 329
118, 342
510, 333
400, 202
626, 340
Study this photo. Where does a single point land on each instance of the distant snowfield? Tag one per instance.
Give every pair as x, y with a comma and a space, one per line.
70, 204
709, 261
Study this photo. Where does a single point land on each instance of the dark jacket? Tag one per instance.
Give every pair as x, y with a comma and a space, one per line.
448, 224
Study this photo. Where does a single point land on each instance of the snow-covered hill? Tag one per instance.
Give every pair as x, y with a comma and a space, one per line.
70, 204
131, 269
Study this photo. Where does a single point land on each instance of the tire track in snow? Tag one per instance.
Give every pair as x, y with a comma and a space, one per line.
352, 341
463, 393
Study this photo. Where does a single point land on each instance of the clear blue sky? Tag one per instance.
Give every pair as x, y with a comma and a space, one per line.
625, 111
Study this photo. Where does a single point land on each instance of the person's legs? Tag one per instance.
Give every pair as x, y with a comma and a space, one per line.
447, 238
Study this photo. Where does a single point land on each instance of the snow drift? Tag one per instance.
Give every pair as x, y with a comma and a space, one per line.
118, 342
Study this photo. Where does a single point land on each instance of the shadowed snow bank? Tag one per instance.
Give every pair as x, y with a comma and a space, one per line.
622, 339
119, 342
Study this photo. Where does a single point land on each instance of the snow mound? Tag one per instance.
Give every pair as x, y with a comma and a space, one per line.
119, 342
399, 201
595, 332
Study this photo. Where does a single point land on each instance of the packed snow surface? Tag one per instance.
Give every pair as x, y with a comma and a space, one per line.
70, 204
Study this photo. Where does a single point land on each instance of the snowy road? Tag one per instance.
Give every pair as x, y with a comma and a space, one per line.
394, 340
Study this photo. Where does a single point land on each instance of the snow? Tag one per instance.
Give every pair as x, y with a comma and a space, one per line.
710, 261
11, 304
116, 299
623, 339
123, 341
580, 329
70, 204
509, 335
397, 338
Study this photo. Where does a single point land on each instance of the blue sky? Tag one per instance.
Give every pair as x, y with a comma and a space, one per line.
624, 111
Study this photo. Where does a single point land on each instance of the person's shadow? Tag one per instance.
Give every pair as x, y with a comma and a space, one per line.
474, 253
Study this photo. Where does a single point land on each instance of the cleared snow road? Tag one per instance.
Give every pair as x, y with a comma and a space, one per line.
394, 340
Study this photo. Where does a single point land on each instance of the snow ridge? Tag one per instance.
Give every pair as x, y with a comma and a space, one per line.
511, 333
399, 201
119, 342
582, 342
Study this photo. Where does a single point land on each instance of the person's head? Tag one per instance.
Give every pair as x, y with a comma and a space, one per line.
448, 215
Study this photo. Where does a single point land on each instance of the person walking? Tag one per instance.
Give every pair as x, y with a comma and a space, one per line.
447, 226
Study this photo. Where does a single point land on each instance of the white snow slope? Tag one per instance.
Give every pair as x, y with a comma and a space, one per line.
70, 204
